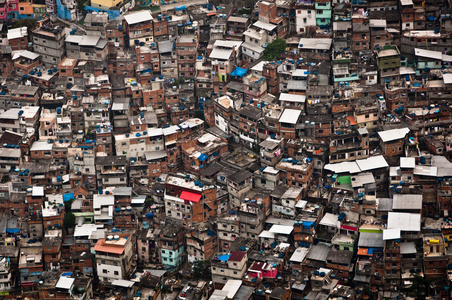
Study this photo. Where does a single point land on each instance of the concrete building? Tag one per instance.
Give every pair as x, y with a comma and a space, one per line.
114, 257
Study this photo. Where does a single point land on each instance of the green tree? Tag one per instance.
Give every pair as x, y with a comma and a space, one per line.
420, 286
201, 270
148, 202
69, 220
274, 49
68, 205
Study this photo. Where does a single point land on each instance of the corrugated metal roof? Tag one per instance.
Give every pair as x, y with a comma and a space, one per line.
371, 240
407, 201
106, 248
318, 252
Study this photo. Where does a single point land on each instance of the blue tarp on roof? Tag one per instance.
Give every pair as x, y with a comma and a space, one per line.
239, 72
68, 196
223, 257
307, 225
12, 230
179, 8
202, 157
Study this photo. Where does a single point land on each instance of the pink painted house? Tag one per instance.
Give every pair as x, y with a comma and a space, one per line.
261, 270
9, 9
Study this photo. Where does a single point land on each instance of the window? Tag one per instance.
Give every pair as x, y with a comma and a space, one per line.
104, 271
116, 273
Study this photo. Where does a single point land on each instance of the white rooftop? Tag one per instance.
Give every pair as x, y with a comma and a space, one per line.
299, 254
102, 200
330, 220
37, 191
404, 221
281, 229
227, 44
267, 234
290, 116
371, 163
393, 134
264, 25
391, 234
292, 97
271, 170
41, 146
232, 287
407, 162
259, 67
86, 229
138, 17
65, 283
407, 201
315, 44
428, 53
26, 54
17, 33
447, 78
218, 53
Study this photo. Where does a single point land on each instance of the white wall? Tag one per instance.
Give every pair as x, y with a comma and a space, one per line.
302, 14
110, 275
221, 123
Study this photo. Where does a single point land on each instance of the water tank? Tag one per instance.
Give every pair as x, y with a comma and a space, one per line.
110, 237
116, 237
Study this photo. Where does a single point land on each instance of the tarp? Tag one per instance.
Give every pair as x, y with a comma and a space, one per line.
12, 230
202, 157
239, 72
224, 257
362, 251
307, 225
190, 196
179, 8
68, 196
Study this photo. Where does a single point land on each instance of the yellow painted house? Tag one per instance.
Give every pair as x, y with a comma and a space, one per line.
105, 4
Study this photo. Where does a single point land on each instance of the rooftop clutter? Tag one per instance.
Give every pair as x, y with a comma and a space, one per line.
287, 150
